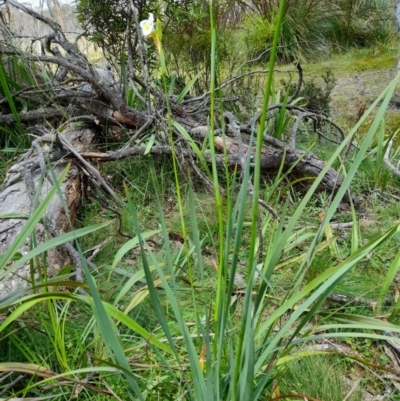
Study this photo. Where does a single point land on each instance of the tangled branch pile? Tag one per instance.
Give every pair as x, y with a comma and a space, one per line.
76, 90
62, 88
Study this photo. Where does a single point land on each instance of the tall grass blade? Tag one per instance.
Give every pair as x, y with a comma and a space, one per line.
129, 245
195, 368
149, 279
182, 131
10, 100
247, 318
187, 88
52, 243
195, 234
165, 236
390, 275
109, 331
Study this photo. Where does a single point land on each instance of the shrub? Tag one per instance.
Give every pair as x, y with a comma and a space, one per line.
258, 32
313, 27
316, 95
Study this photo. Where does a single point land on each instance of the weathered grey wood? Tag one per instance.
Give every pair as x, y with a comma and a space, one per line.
15, 198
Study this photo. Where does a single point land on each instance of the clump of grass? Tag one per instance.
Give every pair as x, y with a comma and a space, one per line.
315, 28
308, 376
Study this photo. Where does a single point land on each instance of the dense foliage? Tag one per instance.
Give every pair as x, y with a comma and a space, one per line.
311, 28
206, 281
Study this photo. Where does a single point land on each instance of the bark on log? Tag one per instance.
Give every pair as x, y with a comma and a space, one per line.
305, 164
15, 197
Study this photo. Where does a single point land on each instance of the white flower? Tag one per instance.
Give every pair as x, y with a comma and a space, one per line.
147, 25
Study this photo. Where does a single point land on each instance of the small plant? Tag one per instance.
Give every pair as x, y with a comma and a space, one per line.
258, 35
308, 376
317, 96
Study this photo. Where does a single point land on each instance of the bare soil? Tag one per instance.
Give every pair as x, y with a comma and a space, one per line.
355, 92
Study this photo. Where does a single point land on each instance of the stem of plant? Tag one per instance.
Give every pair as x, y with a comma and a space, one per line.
257, 174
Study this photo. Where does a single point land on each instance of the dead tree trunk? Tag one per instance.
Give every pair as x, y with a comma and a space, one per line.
19, 195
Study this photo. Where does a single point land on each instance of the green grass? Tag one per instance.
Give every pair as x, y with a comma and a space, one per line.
355, 61
368, 277
365, 281
163, 317
309, 376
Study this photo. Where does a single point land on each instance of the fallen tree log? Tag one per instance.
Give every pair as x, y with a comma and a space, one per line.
27, 183
271, 159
